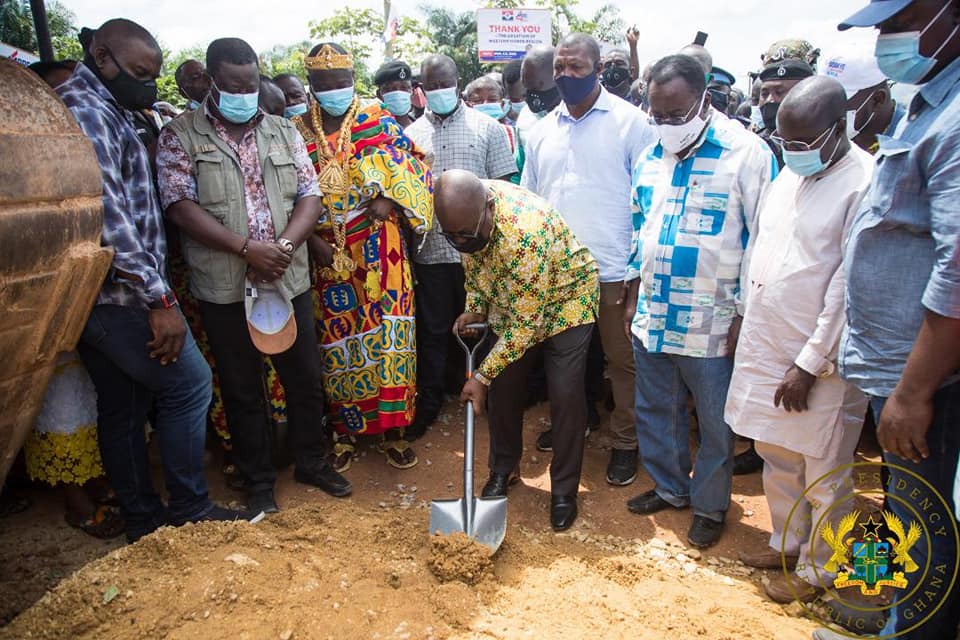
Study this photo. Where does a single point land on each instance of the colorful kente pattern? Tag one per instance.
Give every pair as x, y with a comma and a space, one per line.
365, 321
533, 280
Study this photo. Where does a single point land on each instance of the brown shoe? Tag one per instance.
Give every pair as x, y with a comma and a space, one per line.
784, 590
767, 558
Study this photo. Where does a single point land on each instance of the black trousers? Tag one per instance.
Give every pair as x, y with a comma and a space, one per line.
596, 363
440, 298
240, 367
565, 361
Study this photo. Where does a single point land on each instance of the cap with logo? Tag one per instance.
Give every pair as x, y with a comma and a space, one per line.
270, 319
391, 71
722, 76
791, 49
855, 67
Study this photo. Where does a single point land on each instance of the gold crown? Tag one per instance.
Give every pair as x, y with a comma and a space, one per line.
328, 58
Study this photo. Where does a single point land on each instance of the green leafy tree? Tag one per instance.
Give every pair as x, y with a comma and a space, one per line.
285, 59
455, 35
16, 28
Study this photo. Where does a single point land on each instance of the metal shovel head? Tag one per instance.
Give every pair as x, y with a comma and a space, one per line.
489, 519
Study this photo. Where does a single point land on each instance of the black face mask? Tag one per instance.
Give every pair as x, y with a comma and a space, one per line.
719, 100
614, 77
472, 245
129, 92
769, 113
543, 101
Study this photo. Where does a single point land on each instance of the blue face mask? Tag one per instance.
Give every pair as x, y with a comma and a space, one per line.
192, 105
575, 90
336, 101
443, 101
493, 109
238, 107
809, 163
295, 110
898, 54
397, 102
518, 106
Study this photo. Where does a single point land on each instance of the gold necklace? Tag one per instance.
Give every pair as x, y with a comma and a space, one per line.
333, 180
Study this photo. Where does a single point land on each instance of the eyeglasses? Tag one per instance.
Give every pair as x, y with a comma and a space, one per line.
799, 145
453, 236
673, 120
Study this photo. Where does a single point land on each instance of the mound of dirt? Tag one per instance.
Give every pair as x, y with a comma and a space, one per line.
336, 570
459, 557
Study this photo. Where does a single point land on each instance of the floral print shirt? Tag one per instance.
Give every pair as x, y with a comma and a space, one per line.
533, 280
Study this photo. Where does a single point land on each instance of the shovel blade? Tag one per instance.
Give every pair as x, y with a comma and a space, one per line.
489, 519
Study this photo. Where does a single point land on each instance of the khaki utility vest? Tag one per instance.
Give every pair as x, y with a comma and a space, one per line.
218, 276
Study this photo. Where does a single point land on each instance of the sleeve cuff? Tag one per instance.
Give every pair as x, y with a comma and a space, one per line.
153, 289
812, 362
942, 297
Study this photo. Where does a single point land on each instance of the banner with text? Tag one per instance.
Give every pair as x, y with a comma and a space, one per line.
506, 34
17, 55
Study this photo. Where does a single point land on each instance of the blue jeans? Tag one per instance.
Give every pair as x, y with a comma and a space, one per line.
129, 384
943, 439
663, 382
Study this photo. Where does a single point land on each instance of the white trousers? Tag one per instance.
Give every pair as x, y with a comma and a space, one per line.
787, 474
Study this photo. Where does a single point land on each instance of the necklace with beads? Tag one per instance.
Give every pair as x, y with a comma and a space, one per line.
334, 182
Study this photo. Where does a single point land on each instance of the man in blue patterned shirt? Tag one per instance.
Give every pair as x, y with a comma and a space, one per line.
695, 200
136, 345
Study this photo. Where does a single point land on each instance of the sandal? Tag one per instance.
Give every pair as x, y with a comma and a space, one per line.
399, 453
104, 523
342, 455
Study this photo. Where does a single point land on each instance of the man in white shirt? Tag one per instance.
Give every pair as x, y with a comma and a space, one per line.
580, 157
786, 392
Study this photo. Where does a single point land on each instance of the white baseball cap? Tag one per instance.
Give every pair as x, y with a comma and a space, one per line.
270, 319
855, 67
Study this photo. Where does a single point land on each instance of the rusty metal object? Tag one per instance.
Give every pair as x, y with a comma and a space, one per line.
51, 261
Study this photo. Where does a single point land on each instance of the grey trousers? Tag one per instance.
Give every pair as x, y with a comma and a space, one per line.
565, 359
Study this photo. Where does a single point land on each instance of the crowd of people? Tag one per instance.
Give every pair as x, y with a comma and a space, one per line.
780, 264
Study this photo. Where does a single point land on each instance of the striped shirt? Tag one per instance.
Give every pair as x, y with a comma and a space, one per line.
692, 220
467, 140
132, 222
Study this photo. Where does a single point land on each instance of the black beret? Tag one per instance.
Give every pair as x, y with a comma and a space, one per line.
789, 69
392, 70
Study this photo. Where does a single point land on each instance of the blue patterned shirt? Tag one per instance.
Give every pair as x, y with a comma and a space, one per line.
132, 222
692, 220
903, 255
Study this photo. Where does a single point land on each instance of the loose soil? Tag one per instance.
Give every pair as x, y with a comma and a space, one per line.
366, 567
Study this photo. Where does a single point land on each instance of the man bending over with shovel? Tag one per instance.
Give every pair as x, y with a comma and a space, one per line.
537, 288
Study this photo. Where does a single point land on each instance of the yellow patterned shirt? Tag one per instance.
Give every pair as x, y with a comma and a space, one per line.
533, 280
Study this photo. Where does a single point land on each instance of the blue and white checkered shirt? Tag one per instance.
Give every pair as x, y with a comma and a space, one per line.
692, 220
132, 222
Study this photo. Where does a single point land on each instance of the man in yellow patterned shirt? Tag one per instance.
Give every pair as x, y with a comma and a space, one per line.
537, 287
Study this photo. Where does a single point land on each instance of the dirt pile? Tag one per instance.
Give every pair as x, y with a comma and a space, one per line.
459, 557
336, 570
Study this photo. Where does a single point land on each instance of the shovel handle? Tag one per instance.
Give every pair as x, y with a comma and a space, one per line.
471, 352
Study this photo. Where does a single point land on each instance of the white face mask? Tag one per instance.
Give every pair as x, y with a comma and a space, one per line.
677, 137
852, 131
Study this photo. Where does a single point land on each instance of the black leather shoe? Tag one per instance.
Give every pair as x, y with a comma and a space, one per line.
747, 462
325, 477
563, 512
262, 501
545, 441
498, 483
622, 468
649, 502
704, 532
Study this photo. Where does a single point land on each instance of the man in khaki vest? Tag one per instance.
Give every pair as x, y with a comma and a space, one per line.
240, 186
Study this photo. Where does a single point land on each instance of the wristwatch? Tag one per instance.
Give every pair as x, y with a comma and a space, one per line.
482, 379
167, 301
286, 245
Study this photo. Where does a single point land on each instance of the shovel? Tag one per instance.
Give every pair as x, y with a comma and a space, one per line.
483, 519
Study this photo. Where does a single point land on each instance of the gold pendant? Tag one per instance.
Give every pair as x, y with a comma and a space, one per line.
333, 179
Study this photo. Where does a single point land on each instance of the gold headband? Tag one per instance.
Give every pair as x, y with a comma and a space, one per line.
328, 58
